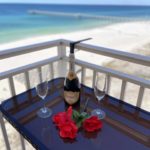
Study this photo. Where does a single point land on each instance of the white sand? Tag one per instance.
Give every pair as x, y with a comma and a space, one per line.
121, 36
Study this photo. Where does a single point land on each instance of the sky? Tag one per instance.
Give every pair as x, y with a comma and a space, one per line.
114, 2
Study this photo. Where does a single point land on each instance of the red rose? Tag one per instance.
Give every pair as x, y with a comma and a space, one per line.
68, 130
63, 117
64, 121
92, 124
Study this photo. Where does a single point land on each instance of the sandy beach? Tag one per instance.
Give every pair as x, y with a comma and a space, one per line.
121, 36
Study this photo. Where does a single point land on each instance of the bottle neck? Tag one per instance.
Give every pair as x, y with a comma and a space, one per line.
72, 62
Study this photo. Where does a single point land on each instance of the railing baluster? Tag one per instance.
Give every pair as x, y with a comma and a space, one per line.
52, 70
94, 77
123, 88
13, 93
22, 142
39, 69
49, 70
122, 94
27, 80
107, 87
140, 96
108, 83
4, 132
11, 86
139, 101
83, 75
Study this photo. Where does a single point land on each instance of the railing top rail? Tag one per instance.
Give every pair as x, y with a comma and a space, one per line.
130, 57
28, 67
28, 49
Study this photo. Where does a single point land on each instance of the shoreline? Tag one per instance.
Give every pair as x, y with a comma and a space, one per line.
113, 36
120, 36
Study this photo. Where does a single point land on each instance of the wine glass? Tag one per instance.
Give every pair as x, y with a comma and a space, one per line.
42, 90
100, 91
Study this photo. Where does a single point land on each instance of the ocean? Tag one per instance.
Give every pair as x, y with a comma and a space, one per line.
17, 23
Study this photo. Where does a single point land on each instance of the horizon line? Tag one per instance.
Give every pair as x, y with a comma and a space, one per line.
76, 4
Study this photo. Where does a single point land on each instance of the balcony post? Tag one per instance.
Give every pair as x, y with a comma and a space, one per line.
62, 65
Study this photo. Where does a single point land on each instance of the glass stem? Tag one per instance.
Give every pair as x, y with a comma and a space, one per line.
99, 102
44, 107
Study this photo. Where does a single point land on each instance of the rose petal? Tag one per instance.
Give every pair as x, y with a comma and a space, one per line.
68, 130
92, 124
69, 112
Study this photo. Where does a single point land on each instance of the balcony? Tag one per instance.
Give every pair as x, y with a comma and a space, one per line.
56, 61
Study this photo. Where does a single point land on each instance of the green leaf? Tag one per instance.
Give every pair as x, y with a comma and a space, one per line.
79, 117
79, 123
76, 115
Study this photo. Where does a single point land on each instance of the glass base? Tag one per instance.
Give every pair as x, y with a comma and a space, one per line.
44, 112
98, 112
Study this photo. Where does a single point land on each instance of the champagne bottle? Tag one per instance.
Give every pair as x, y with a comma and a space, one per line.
71, 84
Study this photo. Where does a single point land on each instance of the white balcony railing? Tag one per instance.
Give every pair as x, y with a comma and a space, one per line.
62, 60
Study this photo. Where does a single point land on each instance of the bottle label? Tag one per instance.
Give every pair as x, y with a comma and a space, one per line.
71, 97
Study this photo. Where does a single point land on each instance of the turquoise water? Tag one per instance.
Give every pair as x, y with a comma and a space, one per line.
16, 23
